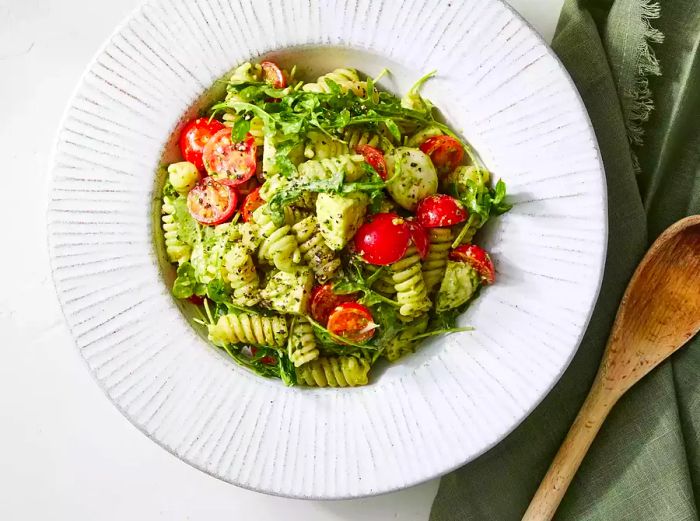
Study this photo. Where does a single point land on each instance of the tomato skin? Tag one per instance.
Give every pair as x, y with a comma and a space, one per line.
194, 137
252, 202
228, 162
211, 203
374, 158
352, 321
440, 210
478, 258
383, 240
267, 360
273, 74
324, 301
419, 237
445, 152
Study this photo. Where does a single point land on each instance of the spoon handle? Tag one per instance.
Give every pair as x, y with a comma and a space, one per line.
567, 461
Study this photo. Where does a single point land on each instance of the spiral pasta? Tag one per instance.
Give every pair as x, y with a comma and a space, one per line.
241, 274
314, 249
404, 343
278, 244
301, 347
410, 287
385, 283
434, 264
260, 330
346, 79
334, 371
349, 165
175, 248
355, 136
321, 146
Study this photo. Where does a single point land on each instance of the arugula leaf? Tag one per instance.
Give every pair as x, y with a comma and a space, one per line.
324, 335
188, 229
218, 291
185, 282
239, 130
353, 280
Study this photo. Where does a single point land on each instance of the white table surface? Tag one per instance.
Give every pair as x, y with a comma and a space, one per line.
65, 452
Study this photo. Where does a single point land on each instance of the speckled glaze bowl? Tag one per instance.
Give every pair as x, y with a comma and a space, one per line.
497, 83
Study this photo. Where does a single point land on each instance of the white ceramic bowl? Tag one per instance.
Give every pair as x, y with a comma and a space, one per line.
498, 83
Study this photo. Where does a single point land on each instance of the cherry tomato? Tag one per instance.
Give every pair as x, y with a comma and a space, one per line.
252, 202
352, 321
374, 158
267, 360
324, 301
210, 202
478, 259
194, 137
383, 240
440, 210
273, 75
196, 299
445, 152
419, 237
247, 187
228, 162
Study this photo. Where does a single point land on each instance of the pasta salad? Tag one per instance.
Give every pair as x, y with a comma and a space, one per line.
322, 226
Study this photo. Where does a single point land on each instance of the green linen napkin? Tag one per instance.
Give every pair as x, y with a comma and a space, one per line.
645, 463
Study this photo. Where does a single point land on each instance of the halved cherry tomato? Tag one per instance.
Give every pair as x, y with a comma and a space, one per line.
247, 187
252, 202
210, 202
273, 75
419, 237
445, 152
352, 321
374, 158
383, 240
194, 137
228, 162
324, 301
440, 210
478, 259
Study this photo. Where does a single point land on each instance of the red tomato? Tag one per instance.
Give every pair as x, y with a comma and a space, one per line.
440, 210
374, 158
445, 152
252, 202
196, 299
194, 137
383, 240
273, 75
210, 202
228, 162
247, 187
419, 237
352, 321
478, 259
267, 360
324, 301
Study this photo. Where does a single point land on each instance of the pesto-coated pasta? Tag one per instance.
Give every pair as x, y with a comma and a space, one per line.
242, 275
302, 347
315, 252
321, 146
244, 328
175, 248
334, 371
356, 136
411, 292
278, 244
434, 264
346, 79
350, 166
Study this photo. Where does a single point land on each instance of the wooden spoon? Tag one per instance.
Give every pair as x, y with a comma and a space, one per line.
659, 313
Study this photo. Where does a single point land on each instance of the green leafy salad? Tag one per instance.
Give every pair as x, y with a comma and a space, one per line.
322, 226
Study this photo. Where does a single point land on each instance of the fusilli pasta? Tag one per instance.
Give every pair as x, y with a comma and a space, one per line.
241, 274
334, 371
434, 263
261, 330
176, 250
346, 79
314, 249
321, 146
301, 347
411, 292
349, 165
278, 244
